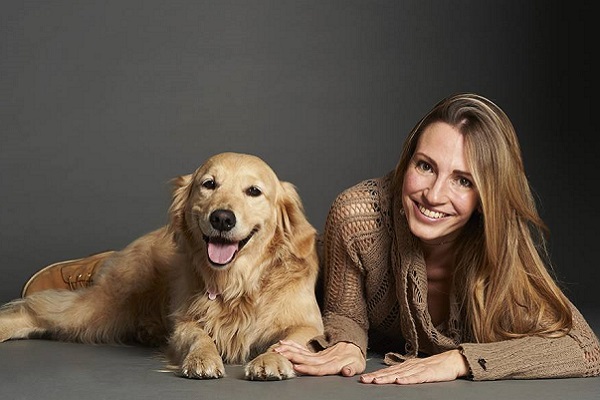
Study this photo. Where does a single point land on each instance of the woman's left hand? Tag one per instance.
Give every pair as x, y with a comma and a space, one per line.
441, 367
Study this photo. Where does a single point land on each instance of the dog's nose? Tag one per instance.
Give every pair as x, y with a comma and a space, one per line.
222, 220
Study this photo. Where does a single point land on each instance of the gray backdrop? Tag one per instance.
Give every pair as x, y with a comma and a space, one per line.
102, 103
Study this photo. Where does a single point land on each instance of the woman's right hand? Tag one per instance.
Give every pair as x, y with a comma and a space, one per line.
342, 358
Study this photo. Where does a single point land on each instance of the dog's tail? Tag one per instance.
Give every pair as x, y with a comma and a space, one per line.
59, 314
17, 323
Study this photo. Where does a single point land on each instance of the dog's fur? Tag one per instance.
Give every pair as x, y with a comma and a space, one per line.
163, 288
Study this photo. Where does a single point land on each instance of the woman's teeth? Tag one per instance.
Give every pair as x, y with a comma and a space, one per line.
431, 214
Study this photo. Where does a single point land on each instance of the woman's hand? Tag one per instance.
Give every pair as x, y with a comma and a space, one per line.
342, 358
441, 367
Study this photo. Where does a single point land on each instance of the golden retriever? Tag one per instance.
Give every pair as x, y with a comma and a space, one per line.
231, 274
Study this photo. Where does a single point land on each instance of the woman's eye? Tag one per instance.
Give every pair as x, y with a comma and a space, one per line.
465, 182
424, 166
209, 184
253, 191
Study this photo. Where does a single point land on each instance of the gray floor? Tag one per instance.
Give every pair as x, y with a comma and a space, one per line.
41, 369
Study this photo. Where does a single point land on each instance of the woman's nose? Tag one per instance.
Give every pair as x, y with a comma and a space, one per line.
436, 192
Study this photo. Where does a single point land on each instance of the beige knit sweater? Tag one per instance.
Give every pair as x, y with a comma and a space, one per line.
381, 306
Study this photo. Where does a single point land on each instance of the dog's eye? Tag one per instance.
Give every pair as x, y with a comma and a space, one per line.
209, 184
253, 191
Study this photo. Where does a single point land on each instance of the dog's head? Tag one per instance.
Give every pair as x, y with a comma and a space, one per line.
234, 206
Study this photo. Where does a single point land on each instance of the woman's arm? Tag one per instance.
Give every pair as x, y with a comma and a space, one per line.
343, 346
575, 355
442, 367
342, 358
344, 305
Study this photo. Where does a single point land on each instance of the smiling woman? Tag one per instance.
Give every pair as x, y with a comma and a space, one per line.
439, 197
442, 263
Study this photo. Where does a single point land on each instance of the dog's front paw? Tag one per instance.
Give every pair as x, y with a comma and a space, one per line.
196, 366
269, 366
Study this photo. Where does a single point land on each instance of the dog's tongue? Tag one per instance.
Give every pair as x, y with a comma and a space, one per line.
221, 253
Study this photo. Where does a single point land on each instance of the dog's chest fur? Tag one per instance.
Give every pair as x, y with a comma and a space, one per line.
234, 325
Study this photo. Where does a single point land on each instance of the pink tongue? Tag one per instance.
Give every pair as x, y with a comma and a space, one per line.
221, 253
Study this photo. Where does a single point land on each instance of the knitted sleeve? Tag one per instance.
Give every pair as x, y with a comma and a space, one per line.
344, 305
575, 355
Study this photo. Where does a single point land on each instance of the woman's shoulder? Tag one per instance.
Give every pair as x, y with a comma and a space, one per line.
361, 217
368, 198
367, 190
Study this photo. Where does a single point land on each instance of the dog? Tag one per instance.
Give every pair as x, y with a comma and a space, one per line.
232, 272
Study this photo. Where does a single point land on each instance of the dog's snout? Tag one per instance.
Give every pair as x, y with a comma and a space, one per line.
222, 220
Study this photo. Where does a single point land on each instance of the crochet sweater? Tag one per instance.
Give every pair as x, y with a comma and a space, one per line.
376, 304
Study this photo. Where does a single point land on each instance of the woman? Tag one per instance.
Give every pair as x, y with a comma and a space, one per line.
444, 259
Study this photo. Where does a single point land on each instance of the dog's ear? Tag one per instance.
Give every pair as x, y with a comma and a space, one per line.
297, 232
181, 191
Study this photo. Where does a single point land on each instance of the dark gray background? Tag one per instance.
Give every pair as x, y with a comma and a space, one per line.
102, 103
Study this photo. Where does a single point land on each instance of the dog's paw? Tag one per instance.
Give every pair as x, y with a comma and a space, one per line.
199, 367
269, 366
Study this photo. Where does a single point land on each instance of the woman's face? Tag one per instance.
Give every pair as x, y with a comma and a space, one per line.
438, 194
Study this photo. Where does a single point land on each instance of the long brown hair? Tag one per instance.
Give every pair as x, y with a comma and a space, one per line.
502, 276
